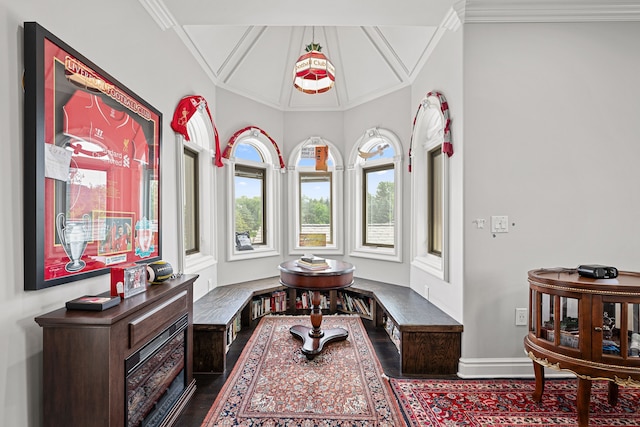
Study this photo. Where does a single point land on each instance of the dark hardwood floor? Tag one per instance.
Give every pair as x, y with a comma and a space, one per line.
208, 385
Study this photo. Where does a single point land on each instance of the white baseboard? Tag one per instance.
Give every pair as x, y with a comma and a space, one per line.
516, 367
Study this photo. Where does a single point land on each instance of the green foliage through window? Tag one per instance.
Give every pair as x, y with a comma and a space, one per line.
315, 204
379, 206
250, 203
315, 211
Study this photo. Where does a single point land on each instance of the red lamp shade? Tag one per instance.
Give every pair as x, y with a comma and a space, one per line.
313, 73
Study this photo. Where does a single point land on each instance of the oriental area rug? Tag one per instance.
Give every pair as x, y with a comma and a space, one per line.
508, 403
274, 384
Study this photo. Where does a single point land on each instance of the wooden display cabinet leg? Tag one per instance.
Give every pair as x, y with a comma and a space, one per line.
538, 369
583, 399
613, 393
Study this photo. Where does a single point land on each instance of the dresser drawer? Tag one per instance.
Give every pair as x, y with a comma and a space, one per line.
143, 327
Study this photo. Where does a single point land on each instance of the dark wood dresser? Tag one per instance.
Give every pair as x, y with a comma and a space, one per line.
123, 366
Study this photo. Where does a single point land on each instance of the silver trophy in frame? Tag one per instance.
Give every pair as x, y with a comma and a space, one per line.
74, 236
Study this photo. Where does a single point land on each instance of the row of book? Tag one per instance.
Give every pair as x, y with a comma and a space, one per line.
304, 301
277, 303
265, 304
352, 304
233, 329
392, 330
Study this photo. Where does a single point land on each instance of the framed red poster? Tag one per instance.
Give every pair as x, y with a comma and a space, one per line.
91, 165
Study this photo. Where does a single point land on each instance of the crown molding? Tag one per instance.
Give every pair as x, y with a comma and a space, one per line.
159, 12
453, 18
493, 11
452, 21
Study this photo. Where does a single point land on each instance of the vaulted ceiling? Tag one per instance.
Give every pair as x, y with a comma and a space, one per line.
250, 47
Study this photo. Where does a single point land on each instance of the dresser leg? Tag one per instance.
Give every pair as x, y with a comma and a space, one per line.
583, 398
538, 370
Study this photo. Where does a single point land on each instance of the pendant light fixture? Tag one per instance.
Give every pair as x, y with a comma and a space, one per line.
313, 73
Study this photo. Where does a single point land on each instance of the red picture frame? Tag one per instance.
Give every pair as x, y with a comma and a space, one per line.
91, 165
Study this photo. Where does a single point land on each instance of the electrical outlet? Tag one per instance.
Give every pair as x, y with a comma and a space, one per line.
521, 317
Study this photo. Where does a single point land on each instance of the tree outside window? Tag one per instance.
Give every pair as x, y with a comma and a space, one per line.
375, 205
315, 204
249, 202
379, 206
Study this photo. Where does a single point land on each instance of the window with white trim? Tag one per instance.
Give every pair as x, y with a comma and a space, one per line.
191, 202
429, 188
375, 193
254, 176
378, 200
198, 176
250, 204
315, 192
315, 213
434, 201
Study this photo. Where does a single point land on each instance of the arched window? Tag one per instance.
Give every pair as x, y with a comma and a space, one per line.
315, 194
374, 198
196, 164
430, 187
253, 183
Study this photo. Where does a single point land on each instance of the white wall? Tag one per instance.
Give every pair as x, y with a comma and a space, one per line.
389, 112
298, 126
234, 112
343, 129
551, 140
121, 38
443, 72
288, 129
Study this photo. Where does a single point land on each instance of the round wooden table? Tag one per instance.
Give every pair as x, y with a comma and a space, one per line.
339, 275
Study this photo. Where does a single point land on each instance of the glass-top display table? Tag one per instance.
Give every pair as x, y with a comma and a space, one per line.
588, 326
338, 275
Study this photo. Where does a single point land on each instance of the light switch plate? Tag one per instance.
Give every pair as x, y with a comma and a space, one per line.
500, 224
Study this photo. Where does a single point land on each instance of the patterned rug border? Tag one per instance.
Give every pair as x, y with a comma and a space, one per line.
387, 415
508, 403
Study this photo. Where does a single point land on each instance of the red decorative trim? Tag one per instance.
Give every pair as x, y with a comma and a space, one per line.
184, 111
227, 151
447, 146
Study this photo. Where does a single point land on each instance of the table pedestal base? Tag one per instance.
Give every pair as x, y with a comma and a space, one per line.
337, 275
312, 344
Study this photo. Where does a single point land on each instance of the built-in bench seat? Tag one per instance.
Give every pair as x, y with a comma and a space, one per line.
213, 315
429, 340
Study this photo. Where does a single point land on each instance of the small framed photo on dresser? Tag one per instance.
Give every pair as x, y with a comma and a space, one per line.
128, 280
